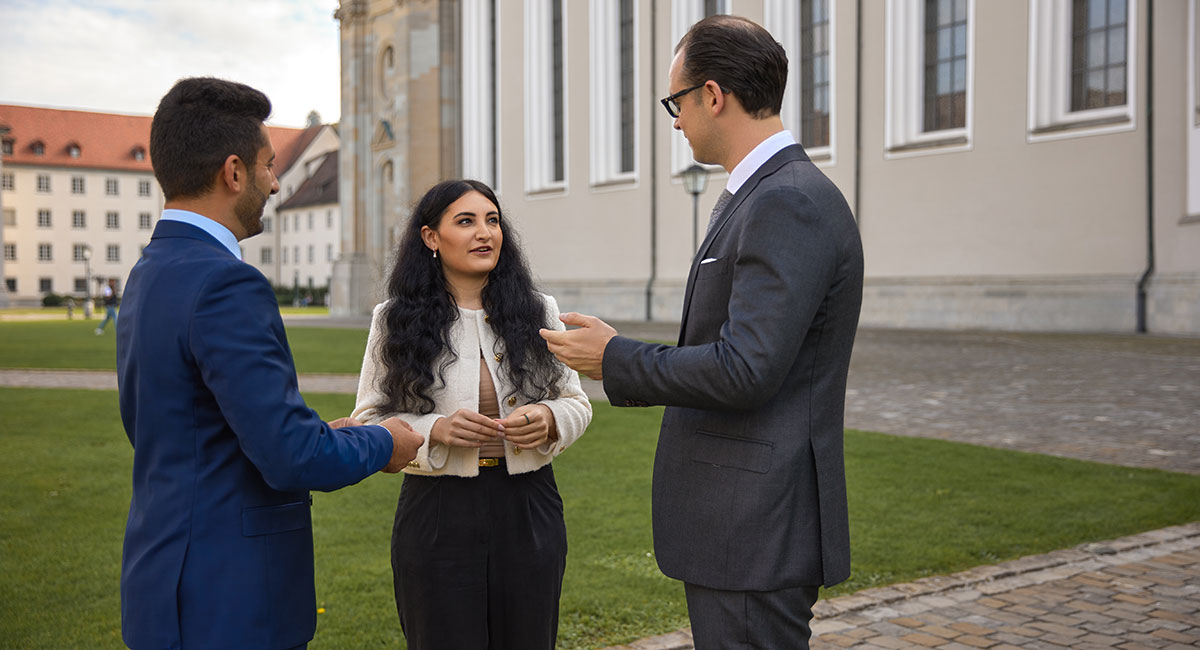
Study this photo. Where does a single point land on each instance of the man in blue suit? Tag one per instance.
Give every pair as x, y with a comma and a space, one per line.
218, 546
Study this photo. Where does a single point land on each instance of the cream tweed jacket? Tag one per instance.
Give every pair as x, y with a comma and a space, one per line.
469, 335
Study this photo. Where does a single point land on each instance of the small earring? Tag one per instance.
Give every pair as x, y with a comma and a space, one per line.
435, 253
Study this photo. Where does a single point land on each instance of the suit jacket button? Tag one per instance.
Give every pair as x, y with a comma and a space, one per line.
499, 357
512, 401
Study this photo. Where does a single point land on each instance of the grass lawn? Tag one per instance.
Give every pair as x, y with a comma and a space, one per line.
72, 344
918, 507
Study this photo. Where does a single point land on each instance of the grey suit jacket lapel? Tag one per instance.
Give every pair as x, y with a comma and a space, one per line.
786, 155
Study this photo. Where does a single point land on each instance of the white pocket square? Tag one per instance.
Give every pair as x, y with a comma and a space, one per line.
709, 260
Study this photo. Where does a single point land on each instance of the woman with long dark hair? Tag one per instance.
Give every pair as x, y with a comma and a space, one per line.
479, 544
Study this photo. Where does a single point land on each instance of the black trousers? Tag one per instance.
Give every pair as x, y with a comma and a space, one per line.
477, 563
765, 620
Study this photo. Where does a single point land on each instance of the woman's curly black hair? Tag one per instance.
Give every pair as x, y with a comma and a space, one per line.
415, 349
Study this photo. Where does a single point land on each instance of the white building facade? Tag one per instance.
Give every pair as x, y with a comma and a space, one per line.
79, 196
1030, 165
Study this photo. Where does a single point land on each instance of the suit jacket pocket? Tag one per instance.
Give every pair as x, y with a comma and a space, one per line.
727, 451
269, 520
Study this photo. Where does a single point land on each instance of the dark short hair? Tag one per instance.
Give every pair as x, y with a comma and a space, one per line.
741, 57
199, 123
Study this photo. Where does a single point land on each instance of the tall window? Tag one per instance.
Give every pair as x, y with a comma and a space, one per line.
44, 219
945, 64
144, 221
80, 285
110, 187
77, 252
929, 76
112, 221
614, 91
112, 253
10, 216
45, 252
10, 252
43, 183
1082, 63
328, 252
1098, 39
814, 75
556, 82
627, 78
545, 117
143, 188
266, 224
310, 253
284, 250
79, 219
478, 90
265, 256
76, 185
6, 181
10, 284
8, 147
46, 285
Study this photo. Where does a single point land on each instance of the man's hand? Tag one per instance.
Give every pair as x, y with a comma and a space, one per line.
344, 422
405, 443
581, 349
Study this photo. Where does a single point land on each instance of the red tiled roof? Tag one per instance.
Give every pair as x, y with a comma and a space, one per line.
106, 140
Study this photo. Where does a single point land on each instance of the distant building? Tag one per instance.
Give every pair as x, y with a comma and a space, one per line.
76, 185
281, 252
1027, 165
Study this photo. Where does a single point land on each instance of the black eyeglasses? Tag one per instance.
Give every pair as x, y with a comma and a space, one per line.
672, 103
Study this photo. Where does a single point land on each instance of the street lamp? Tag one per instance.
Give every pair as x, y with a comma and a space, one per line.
87, 282
694, 180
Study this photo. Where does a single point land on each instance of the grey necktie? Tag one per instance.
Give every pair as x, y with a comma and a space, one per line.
722, 201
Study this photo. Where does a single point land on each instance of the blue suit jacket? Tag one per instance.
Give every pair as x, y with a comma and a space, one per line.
218, 545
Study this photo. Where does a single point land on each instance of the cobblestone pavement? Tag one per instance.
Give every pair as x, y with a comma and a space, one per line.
1132, 593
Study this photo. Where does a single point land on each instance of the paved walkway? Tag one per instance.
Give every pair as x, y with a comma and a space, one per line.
1132, 593
1127, 400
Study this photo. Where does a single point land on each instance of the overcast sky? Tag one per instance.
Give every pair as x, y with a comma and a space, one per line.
122, 56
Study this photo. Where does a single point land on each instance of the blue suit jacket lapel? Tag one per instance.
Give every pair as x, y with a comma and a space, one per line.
787, 154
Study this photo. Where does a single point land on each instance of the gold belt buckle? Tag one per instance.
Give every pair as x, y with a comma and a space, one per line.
489, 462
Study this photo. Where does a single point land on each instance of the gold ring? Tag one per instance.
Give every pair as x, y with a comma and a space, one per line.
526, 416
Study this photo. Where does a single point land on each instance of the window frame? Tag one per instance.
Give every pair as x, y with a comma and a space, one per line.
112, 187
43, 184
1050, 40
605, 79
79, 220
10, 251
8, 181
904, 96
144, 189
45, 218
112, 220
78, 185
45, 252
544, 148
112, 253
783, 19
478, 90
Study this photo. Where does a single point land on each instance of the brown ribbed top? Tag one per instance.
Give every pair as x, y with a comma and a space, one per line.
489, 405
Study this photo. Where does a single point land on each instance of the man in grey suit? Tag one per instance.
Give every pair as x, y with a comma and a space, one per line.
749, 495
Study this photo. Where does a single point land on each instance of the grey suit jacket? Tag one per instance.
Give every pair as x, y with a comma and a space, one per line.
749, 480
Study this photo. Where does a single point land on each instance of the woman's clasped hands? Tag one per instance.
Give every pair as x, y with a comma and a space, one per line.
527, 427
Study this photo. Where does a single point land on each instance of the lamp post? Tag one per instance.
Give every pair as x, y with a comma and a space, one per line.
694, 180
87, 282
